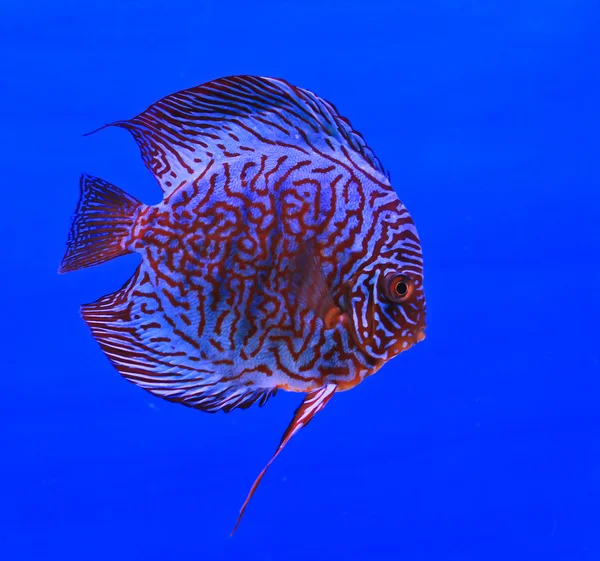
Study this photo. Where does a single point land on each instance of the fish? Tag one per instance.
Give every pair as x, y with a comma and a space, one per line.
279, 258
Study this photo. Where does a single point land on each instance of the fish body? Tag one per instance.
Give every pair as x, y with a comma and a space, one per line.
279, 258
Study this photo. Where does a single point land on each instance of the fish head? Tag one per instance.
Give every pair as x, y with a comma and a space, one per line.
386, 298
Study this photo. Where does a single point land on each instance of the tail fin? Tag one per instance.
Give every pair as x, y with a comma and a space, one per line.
103, 219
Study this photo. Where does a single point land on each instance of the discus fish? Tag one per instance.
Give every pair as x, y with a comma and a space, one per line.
279, 258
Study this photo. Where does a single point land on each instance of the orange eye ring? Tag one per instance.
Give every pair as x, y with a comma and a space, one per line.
397, 287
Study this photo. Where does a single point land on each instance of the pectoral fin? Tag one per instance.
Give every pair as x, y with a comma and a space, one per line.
310, 286
312, 404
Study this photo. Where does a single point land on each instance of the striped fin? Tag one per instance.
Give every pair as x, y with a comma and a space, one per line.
146, 348
103, 220
314, 402
241, 117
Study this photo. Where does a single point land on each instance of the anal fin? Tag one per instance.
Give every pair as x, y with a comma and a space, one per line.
314, 402
135, 331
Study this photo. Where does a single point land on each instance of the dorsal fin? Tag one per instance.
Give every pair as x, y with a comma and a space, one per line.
236, 117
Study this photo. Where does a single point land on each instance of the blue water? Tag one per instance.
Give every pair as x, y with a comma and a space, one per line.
481, 443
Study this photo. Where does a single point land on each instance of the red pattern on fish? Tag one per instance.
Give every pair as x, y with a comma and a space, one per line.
279, 258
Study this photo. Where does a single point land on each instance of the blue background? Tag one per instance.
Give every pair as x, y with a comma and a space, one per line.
481, 443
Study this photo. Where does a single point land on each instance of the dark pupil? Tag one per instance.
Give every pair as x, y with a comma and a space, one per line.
401, 288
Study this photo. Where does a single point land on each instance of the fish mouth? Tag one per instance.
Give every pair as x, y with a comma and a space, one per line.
404, 344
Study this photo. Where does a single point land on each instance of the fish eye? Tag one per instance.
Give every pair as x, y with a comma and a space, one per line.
397, 287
